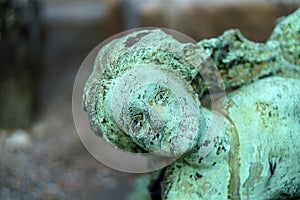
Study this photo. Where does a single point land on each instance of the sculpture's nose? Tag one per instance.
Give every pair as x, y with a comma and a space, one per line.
157, 117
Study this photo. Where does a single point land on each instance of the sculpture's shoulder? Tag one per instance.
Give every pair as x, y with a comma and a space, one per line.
255, 152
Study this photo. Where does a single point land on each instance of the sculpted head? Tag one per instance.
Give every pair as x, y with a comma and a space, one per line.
139, 96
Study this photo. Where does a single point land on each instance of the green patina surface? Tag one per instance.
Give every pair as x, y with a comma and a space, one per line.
257, 154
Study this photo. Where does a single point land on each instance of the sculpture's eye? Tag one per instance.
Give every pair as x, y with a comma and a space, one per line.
137, 122
161, 97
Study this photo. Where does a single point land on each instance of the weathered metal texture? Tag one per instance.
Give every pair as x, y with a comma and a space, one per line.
256, 155
119, 57
241, 61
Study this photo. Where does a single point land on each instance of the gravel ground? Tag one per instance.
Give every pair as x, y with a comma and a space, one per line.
53, 164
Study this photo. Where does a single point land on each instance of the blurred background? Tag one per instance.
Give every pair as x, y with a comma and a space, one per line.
42, 45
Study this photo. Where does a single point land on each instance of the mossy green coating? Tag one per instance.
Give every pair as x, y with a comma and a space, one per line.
126, 53
256, 155
241, 61
151, 109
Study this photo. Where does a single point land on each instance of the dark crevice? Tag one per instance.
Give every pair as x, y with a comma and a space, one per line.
155, 186
272, 167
